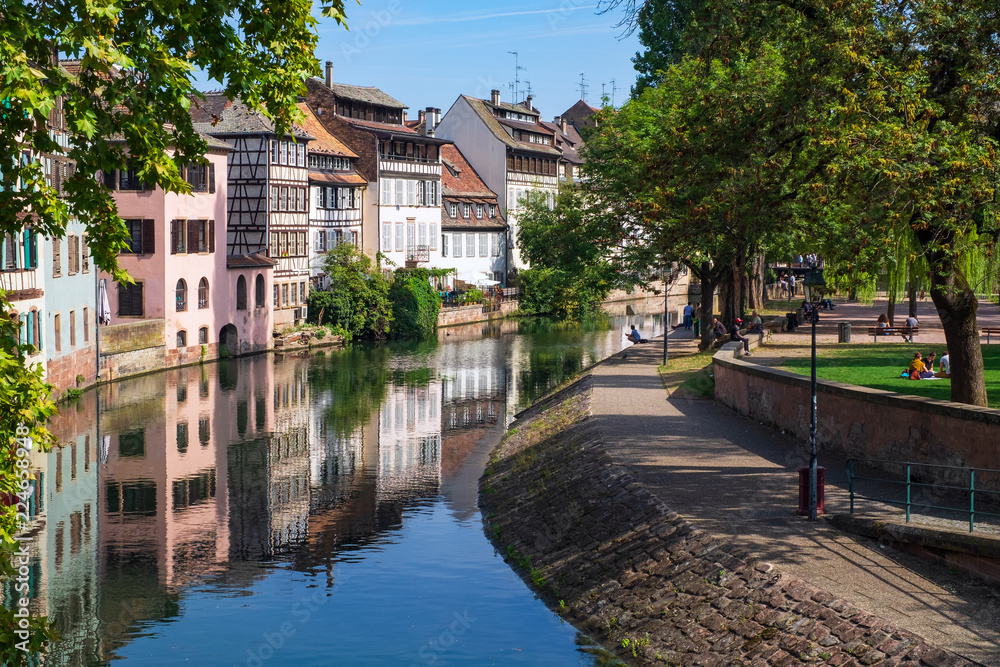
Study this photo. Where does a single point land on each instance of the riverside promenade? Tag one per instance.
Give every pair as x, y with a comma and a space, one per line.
737, 480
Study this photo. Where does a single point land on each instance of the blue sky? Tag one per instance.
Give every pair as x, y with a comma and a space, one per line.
426, 53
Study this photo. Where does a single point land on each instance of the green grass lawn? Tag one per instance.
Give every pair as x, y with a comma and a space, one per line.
879, 366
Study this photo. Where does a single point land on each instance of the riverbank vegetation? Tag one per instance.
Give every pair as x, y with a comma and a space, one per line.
571, 275
355, 304
864, 131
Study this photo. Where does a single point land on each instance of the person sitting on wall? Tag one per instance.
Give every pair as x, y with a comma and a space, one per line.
735, 334
718, 329
756, 325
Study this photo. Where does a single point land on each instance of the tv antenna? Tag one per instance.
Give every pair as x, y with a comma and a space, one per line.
517, 77
583, 88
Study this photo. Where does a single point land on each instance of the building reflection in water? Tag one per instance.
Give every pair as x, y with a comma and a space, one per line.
211, 475
202, 474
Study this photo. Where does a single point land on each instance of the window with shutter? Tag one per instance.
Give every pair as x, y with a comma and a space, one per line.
71, 254
211, 178
192, 236
84, 254
56, 256
470, 245
130, 300
147, 245
484, 245
211, 235
434, 236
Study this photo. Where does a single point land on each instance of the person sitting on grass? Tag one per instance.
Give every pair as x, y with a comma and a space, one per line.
916, 368
928, 366
944, 369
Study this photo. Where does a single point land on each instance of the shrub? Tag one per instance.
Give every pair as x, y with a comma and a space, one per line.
415, 304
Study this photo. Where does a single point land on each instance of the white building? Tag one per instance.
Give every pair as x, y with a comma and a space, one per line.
474, 232
511, 150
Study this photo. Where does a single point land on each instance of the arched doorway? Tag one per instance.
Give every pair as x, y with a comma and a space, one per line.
229, 341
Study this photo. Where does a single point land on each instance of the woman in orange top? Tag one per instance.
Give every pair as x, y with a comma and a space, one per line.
916, 367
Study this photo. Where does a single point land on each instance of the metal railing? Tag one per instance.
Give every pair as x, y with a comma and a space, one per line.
910, 485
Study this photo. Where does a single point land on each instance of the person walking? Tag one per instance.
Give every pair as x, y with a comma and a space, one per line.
688, 312
791, 286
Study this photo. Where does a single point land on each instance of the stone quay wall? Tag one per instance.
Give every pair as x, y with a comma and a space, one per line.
866, 423
615, 561
449, 317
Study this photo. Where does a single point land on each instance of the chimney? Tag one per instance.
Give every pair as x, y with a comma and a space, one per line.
527, 102
495, 96
421, 116
562, 124
404, 116
429, 123
437, 117
329, 74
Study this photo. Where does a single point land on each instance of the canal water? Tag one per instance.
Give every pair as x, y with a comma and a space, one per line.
302, 510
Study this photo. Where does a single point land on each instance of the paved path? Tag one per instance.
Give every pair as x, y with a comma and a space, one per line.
737, 479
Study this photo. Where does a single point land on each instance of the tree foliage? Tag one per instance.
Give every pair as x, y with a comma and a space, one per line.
415, 304
132, 95
128, 106
663, 25
357, 299
572, 274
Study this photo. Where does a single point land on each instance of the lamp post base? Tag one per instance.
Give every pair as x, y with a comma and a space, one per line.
804, 490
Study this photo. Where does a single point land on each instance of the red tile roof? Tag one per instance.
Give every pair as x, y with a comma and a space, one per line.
339, 179
458, 178
323, 142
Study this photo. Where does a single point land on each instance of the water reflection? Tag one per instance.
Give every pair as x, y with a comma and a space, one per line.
200, 484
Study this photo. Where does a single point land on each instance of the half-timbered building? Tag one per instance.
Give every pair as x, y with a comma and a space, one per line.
513, 152
402, 204
336, 195
268, 203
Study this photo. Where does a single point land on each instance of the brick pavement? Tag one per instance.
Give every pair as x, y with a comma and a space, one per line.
736, 480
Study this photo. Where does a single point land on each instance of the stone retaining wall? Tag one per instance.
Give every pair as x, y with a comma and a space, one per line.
449, 317
866, 423
621, 566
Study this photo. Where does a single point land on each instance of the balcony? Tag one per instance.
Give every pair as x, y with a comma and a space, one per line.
419, 254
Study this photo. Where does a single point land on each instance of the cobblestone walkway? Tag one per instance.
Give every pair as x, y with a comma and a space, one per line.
737, 480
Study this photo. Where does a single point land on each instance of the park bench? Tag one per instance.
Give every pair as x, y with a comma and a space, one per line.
910, 332
990, 331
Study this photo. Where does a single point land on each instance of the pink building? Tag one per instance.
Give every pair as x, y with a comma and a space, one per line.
190, 301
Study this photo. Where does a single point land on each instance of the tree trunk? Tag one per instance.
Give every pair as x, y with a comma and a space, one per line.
705, 310
957, 306
757, 281
891, 308
912, 292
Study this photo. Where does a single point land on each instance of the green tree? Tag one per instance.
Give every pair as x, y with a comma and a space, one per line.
662, 25
700, 169
571, 275
357, 299
415, 304
135, 86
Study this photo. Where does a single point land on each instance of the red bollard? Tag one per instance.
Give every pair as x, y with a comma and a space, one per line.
804, 490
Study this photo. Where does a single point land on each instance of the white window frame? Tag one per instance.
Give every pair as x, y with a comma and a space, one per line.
399, 237
386, 192
411, 193
445, 243
484, 245
470, 245
456, 245
434, 236
386, 237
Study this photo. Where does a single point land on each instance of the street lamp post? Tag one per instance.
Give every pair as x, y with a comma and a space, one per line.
813, 286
